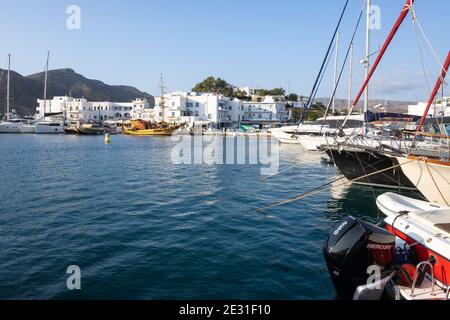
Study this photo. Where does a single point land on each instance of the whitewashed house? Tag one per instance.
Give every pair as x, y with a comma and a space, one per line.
440, 107
80, 109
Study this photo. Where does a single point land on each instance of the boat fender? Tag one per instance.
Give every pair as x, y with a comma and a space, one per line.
405, 275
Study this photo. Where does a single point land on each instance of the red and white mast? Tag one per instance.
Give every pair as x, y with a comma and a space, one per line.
439, 83
407, 7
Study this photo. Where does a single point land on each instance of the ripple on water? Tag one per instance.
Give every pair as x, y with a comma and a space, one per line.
142, 228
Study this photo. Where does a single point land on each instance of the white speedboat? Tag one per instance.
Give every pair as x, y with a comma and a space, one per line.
409, 260
425, 228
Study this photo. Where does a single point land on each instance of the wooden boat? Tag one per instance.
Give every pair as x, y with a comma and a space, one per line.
160, 131
71, 130
90, 129
144, 128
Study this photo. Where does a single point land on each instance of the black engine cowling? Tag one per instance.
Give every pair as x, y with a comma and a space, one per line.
351, 248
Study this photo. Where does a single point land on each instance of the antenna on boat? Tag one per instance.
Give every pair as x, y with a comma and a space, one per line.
7, 87
45, 82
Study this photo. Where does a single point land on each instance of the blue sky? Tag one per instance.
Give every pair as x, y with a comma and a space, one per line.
247, 42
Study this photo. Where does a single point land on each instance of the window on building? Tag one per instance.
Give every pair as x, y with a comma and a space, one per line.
197, 104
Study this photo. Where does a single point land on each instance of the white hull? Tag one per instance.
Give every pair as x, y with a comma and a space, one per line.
49, 128
312, 143
10, 127
432, 179
284, 135
27, 129
426, 227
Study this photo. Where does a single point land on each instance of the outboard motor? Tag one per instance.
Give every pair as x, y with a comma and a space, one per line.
351, 249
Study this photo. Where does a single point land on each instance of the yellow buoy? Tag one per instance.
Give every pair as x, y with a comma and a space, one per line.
107, 138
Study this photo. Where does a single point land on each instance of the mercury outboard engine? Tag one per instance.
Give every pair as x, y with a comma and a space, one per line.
351, 249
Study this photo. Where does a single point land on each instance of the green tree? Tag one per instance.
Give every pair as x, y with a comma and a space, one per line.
292, 97
214, 85
271, 92
241, 95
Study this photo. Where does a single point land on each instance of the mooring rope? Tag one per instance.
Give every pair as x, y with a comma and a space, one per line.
323, 188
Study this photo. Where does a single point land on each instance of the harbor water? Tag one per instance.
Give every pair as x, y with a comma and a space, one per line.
141, 227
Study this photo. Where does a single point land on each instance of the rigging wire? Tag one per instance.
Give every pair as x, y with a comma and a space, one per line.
343, 66
322, 70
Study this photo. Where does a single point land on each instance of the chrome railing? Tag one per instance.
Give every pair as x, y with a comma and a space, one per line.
416, 276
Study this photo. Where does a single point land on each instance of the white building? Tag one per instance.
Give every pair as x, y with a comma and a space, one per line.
439, 108
264, 110
216, 110
188, 107
79, 109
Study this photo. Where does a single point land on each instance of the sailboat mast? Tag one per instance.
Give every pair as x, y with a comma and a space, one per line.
45, 83
367, 60
7, 87
406, 8
350, 77
162, 102
439, 83
336, 61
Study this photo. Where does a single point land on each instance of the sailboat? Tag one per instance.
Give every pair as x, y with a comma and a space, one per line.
329, 128
12, 124
360, 155
48, 124
412, 255
431, 172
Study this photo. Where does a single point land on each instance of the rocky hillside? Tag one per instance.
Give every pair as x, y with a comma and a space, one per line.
25, 90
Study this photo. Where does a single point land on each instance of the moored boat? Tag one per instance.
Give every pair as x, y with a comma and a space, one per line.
90, 129
144, 128
161, 131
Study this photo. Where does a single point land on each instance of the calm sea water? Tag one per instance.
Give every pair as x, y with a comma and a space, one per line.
141, 227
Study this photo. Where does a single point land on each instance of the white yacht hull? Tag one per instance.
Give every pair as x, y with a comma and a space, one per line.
284, 135
50, 128
27, 129
312, 143
8, 127
431, 177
